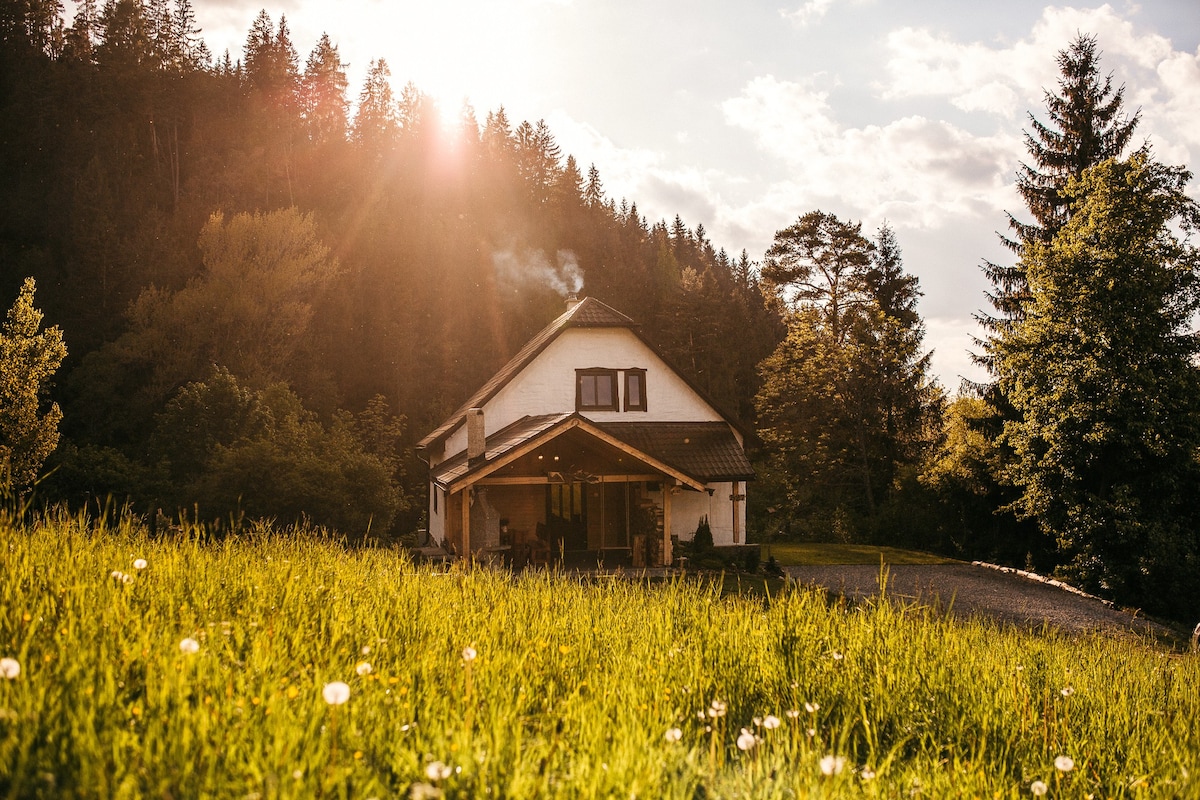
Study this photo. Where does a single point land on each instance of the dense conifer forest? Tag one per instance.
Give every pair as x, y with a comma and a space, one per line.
270, 284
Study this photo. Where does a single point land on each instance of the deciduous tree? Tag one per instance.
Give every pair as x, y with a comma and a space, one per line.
29, 357
1102, 372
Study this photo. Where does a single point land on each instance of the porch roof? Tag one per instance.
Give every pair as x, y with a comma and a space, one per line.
707, 450
696, 453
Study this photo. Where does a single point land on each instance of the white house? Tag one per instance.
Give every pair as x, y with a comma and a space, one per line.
587, 441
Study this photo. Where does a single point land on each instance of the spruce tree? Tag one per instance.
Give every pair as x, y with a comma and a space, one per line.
1086, 126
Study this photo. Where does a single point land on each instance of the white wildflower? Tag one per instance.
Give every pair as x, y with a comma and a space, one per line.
336, 693
1064, 763
188, 645
10, 668
139, 563
771, 722
867, 774
469, 654
1038, 788
363, 668
717, 709
673, 735
437, 771
1066, 691
746, 740
812, 708
792, 713
832, 765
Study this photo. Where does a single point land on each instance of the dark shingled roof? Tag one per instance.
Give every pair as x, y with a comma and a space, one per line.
498, 445
705, 450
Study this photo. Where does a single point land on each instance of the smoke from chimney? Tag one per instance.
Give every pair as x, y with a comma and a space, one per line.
533, 268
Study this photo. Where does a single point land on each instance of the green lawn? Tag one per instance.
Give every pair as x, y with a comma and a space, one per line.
791, 554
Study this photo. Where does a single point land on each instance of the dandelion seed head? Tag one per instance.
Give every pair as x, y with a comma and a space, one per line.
746, 740
469, 654
10, 668
811, 732
1038, 788
867, 774
673, 735
837, 656
1067, 691
363, 668
437, 771
792, 713
758, 722
771, 722
188, 645
336, 693
717, 709
832, 765
1064, 763
812, 708
139, 563
297, 774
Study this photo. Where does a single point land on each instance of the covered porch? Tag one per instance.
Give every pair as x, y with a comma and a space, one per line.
561, 488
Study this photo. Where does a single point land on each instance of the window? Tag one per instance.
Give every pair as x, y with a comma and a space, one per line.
635, 390
596, 390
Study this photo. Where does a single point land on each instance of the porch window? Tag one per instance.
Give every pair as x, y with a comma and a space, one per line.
635, 390
596, 390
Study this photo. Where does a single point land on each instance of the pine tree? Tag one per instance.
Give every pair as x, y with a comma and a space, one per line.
375, 124
325, 106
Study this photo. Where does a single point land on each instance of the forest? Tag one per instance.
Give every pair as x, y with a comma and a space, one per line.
260, 287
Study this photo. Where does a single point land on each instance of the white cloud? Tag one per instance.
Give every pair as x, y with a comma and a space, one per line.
914, 171
810, 11
1008, 80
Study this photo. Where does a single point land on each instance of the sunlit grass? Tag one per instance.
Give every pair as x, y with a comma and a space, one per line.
213, 672
790, 554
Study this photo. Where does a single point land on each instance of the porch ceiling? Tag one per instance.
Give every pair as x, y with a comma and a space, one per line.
557, 447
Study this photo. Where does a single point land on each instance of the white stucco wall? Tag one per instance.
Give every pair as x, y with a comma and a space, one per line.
547, 385
687, 507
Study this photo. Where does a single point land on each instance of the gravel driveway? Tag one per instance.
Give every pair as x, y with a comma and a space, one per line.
971, 590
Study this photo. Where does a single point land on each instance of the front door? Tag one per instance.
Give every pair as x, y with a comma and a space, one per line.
566, 515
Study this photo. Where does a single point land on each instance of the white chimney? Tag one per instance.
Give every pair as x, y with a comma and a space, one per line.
476, 448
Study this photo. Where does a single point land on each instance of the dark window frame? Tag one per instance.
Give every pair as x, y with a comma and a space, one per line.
611, 374
640, 374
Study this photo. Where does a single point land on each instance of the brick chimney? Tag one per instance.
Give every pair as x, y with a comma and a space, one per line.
476, 447
572, 300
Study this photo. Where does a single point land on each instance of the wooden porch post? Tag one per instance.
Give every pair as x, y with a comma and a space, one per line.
735, 497
666, 548
466, 521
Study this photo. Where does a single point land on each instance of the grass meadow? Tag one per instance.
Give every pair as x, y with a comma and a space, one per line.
180, 667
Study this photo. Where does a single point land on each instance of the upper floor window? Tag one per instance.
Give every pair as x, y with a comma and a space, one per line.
596, 390
635, 390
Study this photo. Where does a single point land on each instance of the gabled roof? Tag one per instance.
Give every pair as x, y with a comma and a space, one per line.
587, 313
529, 433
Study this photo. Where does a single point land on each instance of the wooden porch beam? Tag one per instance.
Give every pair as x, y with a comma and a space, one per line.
541, 480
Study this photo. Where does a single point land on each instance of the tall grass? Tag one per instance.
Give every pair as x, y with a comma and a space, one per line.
575, 684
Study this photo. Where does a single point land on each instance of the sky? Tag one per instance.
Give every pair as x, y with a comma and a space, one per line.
745, 115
